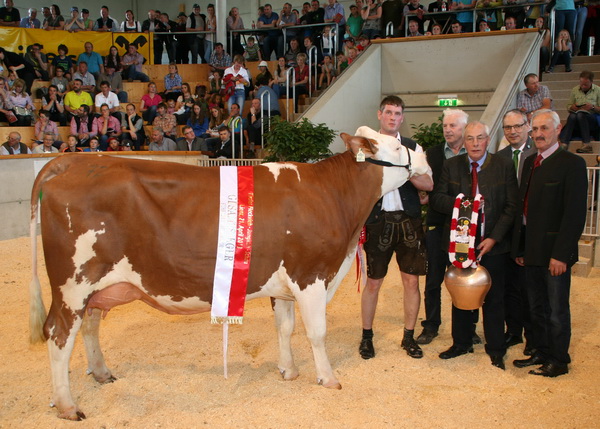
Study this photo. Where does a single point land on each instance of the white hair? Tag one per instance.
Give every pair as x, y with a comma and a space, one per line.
463, 117
553, 115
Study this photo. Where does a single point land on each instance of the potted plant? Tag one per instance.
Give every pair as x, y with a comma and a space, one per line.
428, 135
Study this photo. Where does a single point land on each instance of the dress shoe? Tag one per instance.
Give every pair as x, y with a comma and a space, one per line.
528, 350
586, 148
412, 348
511, 340
426, 336
533, 360
550, 370
498, 362
454, 351
366, 349
476, 339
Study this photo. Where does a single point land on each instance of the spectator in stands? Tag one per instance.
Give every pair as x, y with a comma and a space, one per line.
198, 121
348, 43
93, 60
31, 20
490, 16
363, 43
371, 15
240, 78
22, 104
436, 29
60, 81
352, 54
534, 97
565, 16
38, 60
75, 23
132, 127
464, 14
270, 19
540, 24
115, 146
562, 51
47, 145
53, 104
56, 20
9, 15
150, 25
517, 12
235, 122
44, 125
334, 13
130, 25
94, 145
159, 142
185, 102
211, 25
82, 124
11, 61
75, 98
224, 148
132, 65
106, 96
301, 77
173, 83
456, 27
190, 141
252, 130
316, 57
105, 22
317, 15
327, 41
87, 79
88, 23
14, 146
280, 76
182, 47
115, 82
354, 23
583, 106
483, 26
149, 103
234, 22
106, 126
72, 145
113, 59
271, 103
287, 18
45, 14
342, 62
6, 113
166, 121
510, 23
252, 51
216, 120
292, 52
327, 72
219, 60
413, 28
62, 60
166, 26
196, 22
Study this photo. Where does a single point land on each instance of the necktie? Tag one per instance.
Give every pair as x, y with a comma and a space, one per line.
474, 179
516, 160
536, 164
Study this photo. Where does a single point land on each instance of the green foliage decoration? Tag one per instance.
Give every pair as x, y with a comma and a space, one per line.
428, 135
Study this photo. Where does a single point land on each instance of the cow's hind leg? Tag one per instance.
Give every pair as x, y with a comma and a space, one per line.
312, 302
90, 330
284, 321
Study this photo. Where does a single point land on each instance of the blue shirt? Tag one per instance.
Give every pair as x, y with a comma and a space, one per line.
274, 17
94, 61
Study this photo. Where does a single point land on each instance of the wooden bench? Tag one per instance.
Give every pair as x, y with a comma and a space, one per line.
28, 134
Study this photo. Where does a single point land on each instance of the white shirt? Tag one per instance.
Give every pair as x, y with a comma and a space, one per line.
242, 72
112, 100
16, 151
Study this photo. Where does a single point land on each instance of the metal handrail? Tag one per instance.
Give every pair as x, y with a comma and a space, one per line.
241, 138
310, 64
291, 71
262, 116
593, 215
389, 29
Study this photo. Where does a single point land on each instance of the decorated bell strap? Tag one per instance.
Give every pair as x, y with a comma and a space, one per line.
463, 230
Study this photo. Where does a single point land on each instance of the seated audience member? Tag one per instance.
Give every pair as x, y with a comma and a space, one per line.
14, 146
38, 60
88, 81
158, 141
219, 60
352, 55
173, 83
534, 97
483, 26
583, 106
47, 145
44, 126
16, 63
56, 20
132, 65
253, 128
113, 59
317, 56
149, 103
60, 82
235, 122
413, 28
165, 121
94, 145
130, 25
224, 148
327, 72
115, 82
132, 126
349, 43
280, 76
82, 124
22, 104
106, 126
363, 43
106, 96
105, 22
71, 145
6, 113
184, 105
75, 23
31, 20
115, 146
52, 103
64, 61
76, 98
217, 118
198, 122
562, 51
190, 141
490, 16
292, 52
342, 62
46, 14
252, 51
436, 29
271, 103
456, 27
264, 74
510, 23
327, 43
93, 60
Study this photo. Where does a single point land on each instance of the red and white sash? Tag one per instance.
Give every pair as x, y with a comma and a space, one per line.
463, 230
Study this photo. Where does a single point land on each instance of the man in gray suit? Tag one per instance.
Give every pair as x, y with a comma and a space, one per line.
189, 141
516, 308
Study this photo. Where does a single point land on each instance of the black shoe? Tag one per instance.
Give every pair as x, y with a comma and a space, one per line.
426, 336
528, 350
511, 340
533, 360
412, 348
498, 362
476, 339
550, 370
454, 351
366, 349
586, 148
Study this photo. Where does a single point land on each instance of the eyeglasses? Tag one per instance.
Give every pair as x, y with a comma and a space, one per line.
517, 127
480, 138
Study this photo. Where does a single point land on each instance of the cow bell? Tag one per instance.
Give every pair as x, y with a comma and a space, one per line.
467, 286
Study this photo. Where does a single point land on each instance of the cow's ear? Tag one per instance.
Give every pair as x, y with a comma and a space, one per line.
354, 143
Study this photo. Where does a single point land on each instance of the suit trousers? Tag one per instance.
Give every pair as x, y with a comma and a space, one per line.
463, 321
550, 312
437, 260
516, 304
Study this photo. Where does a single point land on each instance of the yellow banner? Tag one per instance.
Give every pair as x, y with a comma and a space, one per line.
20, 39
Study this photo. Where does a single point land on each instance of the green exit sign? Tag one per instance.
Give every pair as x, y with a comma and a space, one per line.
448, 102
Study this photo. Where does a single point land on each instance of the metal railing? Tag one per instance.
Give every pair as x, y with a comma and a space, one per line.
311, 51
593, 216
213, 162
263, 116
389, 29
291, 71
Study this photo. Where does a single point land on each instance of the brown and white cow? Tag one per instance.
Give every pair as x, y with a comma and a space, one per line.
116, 230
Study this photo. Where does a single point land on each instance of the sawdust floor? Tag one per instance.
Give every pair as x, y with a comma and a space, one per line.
170, 374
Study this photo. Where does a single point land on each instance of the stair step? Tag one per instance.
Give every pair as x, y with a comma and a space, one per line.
582, 267
586, 249
584, 59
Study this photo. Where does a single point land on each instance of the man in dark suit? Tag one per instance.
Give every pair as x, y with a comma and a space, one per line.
549, 223
189, 141
516, 309
224, 148
453, 125
492, 176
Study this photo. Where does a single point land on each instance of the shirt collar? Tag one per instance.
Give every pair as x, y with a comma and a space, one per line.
449, 153
480, 162
545, 154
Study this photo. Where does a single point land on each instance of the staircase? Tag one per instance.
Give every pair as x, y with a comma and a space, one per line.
560, 84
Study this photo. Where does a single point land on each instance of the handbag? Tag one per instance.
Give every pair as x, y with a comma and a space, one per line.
22, 111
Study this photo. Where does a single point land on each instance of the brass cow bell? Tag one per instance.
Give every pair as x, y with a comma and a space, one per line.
467, 286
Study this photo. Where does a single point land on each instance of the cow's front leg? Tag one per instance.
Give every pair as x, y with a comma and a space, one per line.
284, 321
312, 302
90, 330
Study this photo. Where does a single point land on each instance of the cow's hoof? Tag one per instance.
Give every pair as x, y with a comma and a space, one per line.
105, 379
334, 384
289, 374
74, 415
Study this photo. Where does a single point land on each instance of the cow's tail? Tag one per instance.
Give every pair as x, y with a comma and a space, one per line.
37, 311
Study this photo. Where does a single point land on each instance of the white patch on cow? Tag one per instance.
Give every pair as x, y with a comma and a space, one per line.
337, 280
69, 219
84, 247
288, 232
275, 169
277, 286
